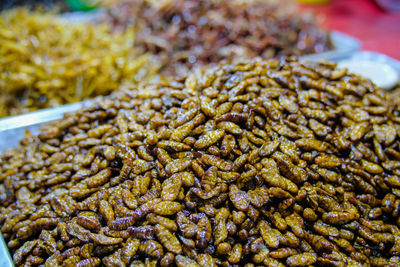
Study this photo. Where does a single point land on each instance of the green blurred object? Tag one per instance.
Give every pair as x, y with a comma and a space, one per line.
80, 5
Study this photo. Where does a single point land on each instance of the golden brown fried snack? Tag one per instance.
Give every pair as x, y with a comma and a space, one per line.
276, 174
187, 33
47, 61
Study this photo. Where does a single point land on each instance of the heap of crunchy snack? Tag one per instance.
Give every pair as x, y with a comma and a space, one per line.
46, 61
187, 33
263, 162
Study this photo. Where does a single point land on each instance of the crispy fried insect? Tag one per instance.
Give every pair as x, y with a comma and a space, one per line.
122, 223
303, 259
177, 165
78, 231
327, 161
106, 211
167, 208
89, 262
224, 248
344, 244
23, 251
325, 229
230, 127
278, 221
271, 175
269, 147
272, 237
166, 238
283, 253
168, 259
260, 255
99, 179
142, 232
220, 232
35, 260
183, 261
212, 160
233, 117
208, 139
71, 261
129, 250
147, 207
239, 198
204, 231
152, 249
286, 204
104, 240
366, 233
295, 222
167, 223
376, 225
337, 217
270, 262
228, 176
235, 254
259, 196
86, 251
319, 128
113, 259
205, 260
319, 243
149, 196
309, 214
137, 263
188, 228
89, 220
186, 242
47, 242
286, 166
171, 188
290, 239
328, 175
289, 148
173, 146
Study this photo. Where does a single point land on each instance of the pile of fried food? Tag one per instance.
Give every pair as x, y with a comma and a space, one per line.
187, 33
276, 162
46, 61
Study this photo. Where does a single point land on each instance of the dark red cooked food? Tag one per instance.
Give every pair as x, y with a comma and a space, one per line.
263, 162
197, 32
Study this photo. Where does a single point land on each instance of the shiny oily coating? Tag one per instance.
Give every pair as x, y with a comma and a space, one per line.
277, 162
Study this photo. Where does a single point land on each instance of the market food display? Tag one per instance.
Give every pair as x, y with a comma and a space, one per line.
273, 162
46, 61
187, 33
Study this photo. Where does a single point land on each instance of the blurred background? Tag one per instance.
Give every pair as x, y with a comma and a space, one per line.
375, 22
57, 52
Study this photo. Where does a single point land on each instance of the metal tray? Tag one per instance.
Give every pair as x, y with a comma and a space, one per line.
377, 57
12, 129
5, 259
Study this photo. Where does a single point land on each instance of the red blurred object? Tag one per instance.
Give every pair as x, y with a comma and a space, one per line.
378, 30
